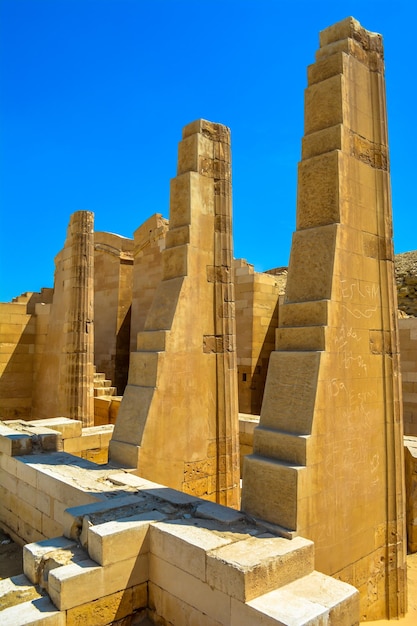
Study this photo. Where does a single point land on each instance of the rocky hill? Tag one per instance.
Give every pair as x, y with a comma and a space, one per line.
406, 279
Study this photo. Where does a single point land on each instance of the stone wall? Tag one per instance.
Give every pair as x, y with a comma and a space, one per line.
149, 242
178, 421
406, 280
328, 454
20, 345
408, 346
107, 545
257, 297
113, 266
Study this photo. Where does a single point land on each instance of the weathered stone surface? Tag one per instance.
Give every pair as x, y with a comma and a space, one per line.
65, 372
334, 376
182, 398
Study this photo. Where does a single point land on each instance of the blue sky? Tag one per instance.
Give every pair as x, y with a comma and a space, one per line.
95, 94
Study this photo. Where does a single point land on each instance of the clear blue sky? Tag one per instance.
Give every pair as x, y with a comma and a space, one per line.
94, 94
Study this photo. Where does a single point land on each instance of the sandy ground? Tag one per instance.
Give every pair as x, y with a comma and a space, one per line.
11, 561
11, 565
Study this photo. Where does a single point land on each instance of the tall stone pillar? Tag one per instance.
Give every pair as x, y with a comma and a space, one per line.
64, 384
78, 363
328, 455
178, 421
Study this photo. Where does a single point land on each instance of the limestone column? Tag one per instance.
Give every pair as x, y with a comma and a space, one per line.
64, 383
78, 326
178, 421
328, 454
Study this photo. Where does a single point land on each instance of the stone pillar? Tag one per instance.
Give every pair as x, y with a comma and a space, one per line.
64, 383
328, 454
178, 421
78, 326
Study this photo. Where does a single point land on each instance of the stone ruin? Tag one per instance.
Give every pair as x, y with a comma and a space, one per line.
328, 453
320, 537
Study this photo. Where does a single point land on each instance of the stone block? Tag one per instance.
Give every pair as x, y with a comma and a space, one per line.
40, 611
167, 606
73, 516
324, 104
84, 581
144, 368
191, 590
304, 313
289, 402
301, 338
213, 511
34, 555
67, 427
184, 545
249, 568
271, 490
281, 445
109, 609
13, 443
151, 341
312, 253
122, 538
326, 68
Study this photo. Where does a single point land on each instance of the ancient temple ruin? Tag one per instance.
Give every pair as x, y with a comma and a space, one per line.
152, 346
328, 453
182, 389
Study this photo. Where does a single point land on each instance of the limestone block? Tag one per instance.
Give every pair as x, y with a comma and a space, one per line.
249, 568
192, 151
184, 545
178, 236
301, 338
167, 606
304, 313
313, 599
410, 454
280, 445
8, 482
25, 472
149, 340
110, 608
144, 368
84, 581
324, 104
13, 443
73, 516
67, 427
289, 401
123, 453
225, 515
40, 611
312, 253
164, 303
9, 466
191, 590
122, 538
318, 190
326, 68
50, 527
271, 490
175, 261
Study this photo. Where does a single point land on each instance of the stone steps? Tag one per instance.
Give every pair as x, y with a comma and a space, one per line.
21, 604
103, 386
309, 600
104, 391
215, 564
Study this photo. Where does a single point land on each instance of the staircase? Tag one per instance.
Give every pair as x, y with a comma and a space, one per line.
145, 554
103, 386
